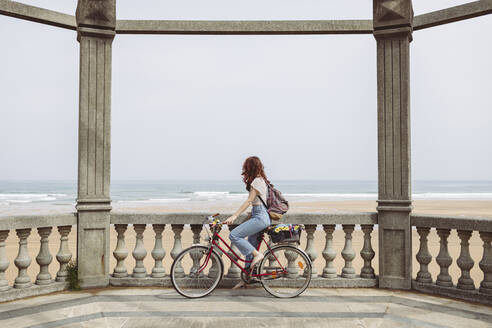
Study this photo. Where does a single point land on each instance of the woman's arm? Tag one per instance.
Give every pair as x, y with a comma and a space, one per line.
243, 207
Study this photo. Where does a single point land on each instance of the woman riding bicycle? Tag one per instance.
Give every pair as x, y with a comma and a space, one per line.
256, 184
284, 271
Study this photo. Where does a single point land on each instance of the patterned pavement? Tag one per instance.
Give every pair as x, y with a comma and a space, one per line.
162, 307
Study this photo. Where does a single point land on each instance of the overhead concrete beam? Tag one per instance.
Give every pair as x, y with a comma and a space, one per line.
244, 27
435, 18
36, 14
453, 14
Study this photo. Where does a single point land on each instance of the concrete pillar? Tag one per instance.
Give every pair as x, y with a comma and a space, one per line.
96, 20
393, 32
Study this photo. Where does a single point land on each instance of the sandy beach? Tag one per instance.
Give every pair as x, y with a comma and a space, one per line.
443, 207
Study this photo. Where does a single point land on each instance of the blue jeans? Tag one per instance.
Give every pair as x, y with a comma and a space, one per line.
259, 220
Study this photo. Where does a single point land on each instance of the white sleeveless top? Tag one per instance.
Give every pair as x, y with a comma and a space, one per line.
260, 186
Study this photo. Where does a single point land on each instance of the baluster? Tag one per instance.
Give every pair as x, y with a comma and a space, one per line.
196, 229
292, 270
310, 249
271, 258
4, 261
486, 263
234, 271
44, 257
22, 261
120, 253
214, 270
177, 248
63, 256
348, 252
329, 253
139, 252
465, 262
196, 256
423, 256
367, 253
444, 259
158, 252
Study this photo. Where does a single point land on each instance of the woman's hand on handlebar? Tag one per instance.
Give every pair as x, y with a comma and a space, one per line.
230, 219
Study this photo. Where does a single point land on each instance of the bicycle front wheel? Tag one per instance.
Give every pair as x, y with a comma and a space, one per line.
194, 274
285, 271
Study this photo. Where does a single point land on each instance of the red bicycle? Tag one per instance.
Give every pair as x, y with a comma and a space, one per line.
285, 270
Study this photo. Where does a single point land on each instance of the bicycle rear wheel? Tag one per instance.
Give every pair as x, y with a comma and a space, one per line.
285, 271
193, 275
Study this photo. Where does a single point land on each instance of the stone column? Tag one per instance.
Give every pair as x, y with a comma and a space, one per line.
348, 252
23, 260
486, 263
44, 257
310, 249
139, 252
393, 32
423, 256
177, 248
63, 256
234, 272
120, 253
158, 253
444, 259
465, 261
329, 253
96, 20
367, 253
4, 261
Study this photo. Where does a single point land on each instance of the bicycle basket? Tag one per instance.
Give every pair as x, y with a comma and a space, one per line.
286, 233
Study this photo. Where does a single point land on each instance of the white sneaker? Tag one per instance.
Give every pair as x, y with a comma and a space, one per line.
240, 284
256, 259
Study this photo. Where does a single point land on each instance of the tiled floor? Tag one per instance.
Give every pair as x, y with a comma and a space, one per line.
154, 307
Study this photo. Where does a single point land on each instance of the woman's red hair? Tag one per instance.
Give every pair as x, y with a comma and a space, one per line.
252, 168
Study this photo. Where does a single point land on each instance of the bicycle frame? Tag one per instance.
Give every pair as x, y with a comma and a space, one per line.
237, 258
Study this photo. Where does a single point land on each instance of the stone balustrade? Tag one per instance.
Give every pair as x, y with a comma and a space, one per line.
22, 227
328, 275
463, 287
341, 246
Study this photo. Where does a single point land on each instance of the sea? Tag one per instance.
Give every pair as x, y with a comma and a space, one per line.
17, 194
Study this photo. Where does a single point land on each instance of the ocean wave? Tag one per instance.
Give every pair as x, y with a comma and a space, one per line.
334, 195
223, 196
19, 195
155, 200
450, 195
12, 198
215, 195
19, 198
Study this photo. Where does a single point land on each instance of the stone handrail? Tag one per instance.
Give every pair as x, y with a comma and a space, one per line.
198, 218
443, 285
44, 282
472, 223
36, 221
330, 276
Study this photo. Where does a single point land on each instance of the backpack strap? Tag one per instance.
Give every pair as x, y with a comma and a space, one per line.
268, 186
263, 202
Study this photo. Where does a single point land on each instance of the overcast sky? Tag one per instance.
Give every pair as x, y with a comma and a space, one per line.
193, 107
